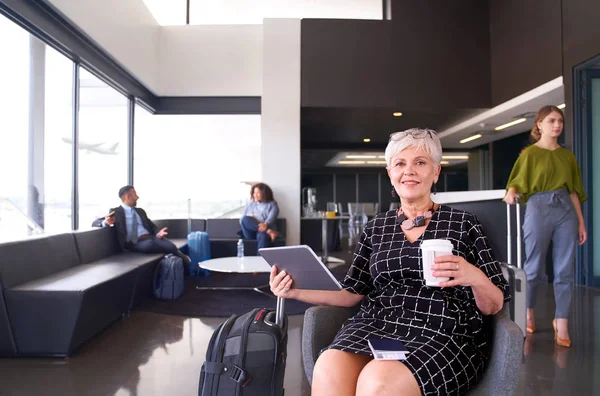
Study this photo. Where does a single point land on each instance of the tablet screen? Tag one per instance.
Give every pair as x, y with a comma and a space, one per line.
304, 266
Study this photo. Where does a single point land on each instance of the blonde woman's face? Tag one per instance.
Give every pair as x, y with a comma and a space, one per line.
412, 173
551, 125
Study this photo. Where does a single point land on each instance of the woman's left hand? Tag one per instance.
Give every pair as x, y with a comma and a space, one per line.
582, 234
464, 273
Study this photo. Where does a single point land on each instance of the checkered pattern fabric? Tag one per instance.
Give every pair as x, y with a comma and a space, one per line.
442, 328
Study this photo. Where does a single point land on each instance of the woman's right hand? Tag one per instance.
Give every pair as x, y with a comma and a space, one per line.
281, 283
511, 196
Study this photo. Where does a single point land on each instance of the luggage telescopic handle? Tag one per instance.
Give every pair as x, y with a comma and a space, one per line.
519, 236
279, 312
509, 234
189, 222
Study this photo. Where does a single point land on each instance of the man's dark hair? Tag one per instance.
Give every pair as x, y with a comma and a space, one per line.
266, 190
124, 190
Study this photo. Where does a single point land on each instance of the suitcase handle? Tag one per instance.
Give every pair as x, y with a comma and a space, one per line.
509, 234
189, 220
279, 312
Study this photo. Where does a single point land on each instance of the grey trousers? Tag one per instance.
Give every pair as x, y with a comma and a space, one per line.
550, 216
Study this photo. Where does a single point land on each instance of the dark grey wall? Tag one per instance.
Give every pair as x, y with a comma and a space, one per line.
525, 45
432, 54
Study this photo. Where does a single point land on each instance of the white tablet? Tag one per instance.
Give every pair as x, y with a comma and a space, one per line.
305, 268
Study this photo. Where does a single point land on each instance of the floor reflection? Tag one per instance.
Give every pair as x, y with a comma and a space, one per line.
152, 354
549, 369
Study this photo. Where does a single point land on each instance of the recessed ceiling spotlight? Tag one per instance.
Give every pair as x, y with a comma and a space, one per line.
509, 124
366, 140
561, 106
397, 114
470, 138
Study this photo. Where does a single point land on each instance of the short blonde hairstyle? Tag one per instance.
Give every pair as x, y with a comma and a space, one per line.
421, 139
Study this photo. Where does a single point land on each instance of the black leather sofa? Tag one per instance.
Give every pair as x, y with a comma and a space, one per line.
222, 233
59, 291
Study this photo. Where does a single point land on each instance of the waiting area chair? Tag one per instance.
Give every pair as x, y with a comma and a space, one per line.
500, 378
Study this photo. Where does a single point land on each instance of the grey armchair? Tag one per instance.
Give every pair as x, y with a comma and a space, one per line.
500, 379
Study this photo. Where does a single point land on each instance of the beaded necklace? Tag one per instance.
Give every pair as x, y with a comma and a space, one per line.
418, 221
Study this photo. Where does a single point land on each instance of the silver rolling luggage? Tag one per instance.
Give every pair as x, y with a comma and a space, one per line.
515, 275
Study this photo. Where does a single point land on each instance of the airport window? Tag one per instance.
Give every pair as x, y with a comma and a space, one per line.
206, 159
103, 147
58, 148
15, 217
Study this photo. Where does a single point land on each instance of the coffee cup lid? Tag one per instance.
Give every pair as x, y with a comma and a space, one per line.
436, 242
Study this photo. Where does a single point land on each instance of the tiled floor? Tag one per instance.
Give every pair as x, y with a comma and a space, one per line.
152, 354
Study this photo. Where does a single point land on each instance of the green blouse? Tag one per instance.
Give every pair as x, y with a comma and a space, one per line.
540, 170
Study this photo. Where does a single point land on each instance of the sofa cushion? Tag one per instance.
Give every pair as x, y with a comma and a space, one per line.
95, 244
78, 278
178, 228
35, 258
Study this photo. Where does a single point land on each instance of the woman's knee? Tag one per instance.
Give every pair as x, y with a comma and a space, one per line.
380, 378
338, 367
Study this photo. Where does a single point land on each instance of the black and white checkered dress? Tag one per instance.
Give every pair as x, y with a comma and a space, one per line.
442, 328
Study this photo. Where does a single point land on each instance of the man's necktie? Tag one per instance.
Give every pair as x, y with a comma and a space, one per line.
134, 228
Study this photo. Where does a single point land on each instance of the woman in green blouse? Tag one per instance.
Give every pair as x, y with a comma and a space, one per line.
546, 177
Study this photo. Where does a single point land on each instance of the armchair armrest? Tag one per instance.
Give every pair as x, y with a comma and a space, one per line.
321, 324
502, 374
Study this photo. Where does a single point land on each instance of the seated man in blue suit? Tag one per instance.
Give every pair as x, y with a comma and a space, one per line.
135, 231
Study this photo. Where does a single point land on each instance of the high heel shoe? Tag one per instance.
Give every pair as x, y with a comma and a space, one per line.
560, 341
531, 329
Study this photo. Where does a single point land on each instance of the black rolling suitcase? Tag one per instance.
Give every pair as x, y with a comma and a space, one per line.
246, 355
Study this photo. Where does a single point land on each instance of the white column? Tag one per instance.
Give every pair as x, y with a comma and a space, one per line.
281, 118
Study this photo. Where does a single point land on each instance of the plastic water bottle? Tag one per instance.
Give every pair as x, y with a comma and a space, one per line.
240, 248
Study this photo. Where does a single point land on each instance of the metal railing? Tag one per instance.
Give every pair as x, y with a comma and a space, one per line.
6, 205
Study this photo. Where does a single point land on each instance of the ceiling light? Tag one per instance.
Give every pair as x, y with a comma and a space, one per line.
455, 156
444, 162
366, 140
381, 156
466, 140
351, 162
361, 156
376, 162
509, 124
397, 114
561, 106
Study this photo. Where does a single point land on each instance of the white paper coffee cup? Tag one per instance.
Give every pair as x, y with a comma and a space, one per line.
430, 249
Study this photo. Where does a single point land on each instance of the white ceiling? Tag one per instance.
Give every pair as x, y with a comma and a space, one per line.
523, 106
232, 12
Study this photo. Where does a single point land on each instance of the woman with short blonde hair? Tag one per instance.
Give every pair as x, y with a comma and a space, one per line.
442, 327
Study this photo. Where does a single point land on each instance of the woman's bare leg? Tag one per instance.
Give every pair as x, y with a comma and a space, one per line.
387, 378
336, 373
